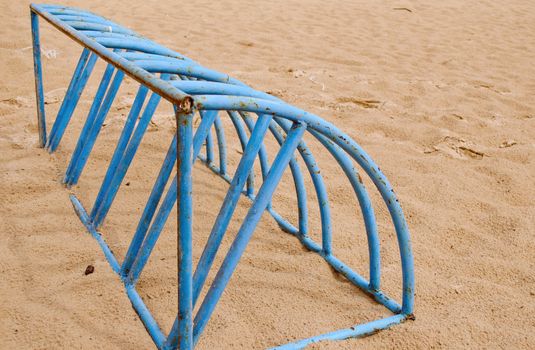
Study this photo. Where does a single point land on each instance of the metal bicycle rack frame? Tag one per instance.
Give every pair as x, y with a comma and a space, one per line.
191, 88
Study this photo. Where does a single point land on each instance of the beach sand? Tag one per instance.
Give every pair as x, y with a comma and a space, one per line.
440, 94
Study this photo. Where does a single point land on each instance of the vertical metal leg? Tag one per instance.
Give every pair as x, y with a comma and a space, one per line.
185, 216
38, 73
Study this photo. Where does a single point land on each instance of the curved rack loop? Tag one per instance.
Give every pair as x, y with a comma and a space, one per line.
192, 88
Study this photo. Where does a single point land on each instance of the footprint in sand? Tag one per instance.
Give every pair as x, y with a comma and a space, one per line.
15, 102
456, 147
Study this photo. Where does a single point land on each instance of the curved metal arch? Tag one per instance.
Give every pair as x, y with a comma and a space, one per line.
365, 205
297, 176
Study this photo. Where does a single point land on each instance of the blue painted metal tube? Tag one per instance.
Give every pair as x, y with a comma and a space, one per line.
127, 158
207, 134
247, 228
64, 11
120, 148
297, 177
93, 34
69, 93
182, 68
78, 18
361, 282
137, 45
120, 35
221, 142
203, 132
229, 205
355, 331
64, 117
58, 11
216, 170
157, 191
82, 26
150, 208
84, 218
89, 142
154, 83
209, 147
242, 136
221, 145
38, 73
184, 217
134, 44
365, 206
148, 321
68, 14
194, 87
154, 233
141, 56
283, 224
105, 25
90, 119
216, 88
172, 340
299, 184
352, 149
319, 186
262, 153
308, 243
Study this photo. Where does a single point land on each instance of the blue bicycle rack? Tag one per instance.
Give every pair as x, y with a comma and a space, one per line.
192, 89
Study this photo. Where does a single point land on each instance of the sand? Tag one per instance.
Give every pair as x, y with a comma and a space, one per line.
440, 94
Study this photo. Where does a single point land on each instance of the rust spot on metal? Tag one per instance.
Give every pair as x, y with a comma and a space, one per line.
186, 105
